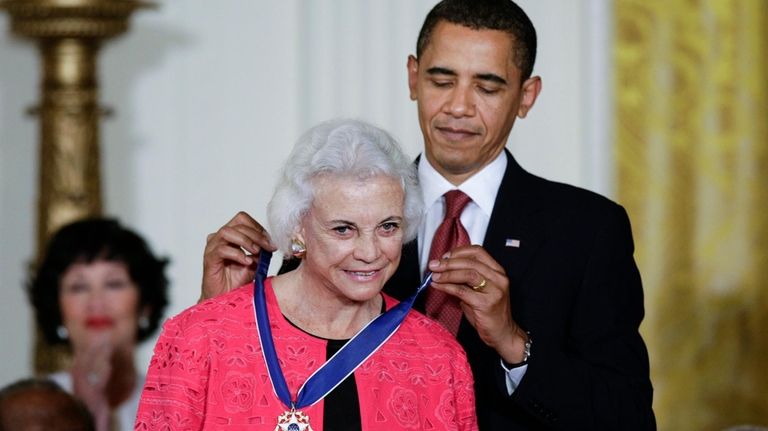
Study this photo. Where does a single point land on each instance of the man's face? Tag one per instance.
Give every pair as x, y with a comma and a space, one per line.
469, 92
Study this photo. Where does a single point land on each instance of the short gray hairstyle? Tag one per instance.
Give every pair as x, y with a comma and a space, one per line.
342, 147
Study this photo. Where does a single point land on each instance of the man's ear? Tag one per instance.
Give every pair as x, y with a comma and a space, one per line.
530, 91
413, 75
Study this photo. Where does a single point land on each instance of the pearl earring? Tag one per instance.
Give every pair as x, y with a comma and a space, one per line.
143, 322
298, 249
62, 332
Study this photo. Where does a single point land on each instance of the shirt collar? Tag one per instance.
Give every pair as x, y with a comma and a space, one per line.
482, 187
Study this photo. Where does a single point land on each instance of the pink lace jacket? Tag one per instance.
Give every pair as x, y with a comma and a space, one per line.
208, 373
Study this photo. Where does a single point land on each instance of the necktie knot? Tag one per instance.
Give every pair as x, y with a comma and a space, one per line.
450, 234
455, 201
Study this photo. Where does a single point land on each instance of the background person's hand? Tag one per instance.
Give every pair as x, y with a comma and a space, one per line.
482, 287
91, 372
226, 265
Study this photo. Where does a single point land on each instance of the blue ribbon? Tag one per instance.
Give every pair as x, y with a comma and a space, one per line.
325, 379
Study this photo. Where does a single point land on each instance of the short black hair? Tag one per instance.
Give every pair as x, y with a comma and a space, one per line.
502, 15
88, 241
41, 402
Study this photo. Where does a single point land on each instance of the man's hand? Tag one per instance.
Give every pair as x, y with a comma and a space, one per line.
481, 285
231, 254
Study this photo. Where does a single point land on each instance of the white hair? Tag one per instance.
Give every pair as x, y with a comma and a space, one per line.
348, 148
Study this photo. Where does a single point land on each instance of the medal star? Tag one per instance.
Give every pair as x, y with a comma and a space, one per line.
293, 421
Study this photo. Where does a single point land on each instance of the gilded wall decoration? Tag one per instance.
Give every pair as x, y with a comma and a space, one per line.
691, 85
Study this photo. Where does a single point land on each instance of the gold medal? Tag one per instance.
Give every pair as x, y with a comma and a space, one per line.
293, 420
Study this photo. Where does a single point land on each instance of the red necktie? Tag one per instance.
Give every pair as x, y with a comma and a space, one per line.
450, 234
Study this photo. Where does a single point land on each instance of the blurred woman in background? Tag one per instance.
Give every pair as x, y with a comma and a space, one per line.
100, 290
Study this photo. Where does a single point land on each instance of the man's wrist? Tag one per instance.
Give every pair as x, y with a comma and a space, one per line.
527, 344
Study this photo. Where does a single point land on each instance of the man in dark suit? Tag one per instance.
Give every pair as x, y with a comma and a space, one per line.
552, 300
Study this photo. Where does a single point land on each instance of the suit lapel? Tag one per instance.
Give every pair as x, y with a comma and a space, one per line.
511, 239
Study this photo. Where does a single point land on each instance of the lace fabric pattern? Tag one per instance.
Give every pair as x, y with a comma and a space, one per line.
208, 372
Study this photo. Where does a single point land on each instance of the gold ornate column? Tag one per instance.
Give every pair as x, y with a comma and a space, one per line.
68, 33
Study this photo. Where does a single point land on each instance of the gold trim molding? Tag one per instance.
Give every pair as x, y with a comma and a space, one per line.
71, 18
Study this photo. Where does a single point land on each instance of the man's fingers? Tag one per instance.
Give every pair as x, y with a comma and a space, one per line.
244, 232
243, 218
230, 254
234, 254
470, 274
467, 271
462, 276
468, 284
458, 290
241, 237
476, 253
469, 266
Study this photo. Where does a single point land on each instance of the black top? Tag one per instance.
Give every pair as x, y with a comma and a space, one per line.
341, 408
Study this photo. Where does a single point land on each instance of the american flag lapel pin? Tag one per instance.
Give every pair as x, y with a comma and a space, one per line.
511, 242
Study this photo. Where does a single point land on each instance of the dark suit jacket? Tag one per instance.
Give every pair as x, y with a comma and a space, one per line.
575, 286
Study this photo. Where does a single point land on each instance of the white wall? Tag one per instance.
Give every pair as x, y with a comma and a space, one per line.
209, 96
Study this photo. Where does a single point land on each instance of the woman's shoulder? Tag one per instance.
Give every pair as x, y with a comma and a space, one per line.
418, 329
242, 297
214, 311
61, 378
422, 349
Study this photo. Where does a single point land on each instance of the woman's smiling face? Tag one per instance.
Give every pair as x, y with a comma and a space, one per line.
353, 234
98, 301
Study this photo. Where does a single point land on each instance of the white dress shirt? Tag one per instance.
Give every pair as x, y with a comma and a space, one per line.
482, 188
124, 414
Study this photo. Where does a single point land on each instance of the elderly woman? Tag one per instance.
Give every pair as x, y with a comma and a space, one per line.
319, 347
100, 290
